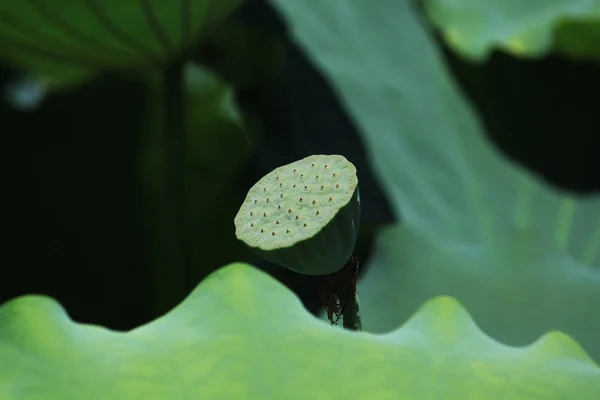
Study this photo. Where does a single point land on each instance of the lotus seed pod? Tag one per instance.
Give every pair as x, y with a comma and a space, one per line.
303, 216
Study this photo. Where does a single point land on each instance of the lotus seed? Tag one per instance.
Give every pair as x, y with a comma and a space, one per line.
313, 202
312, 165
301, 175
294, 186
277, 222
317, 212
300, 199
330, 199
281, 196
326, 166
294, 171
276, 178
289, 210
255, 201
252, 225
279, 206
322, 187
305, 188
272, 233
262, 230
268, 200
297, 217
265, 215
334, 175
304, 225
252, 213
337, 186
287, 231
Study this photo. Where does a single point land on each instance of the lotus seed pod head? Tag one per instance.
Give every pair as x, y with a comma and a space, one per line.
303, 216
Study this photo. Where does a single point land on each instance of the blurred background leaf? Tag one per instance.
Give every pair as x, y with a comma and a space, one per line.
66, 43
96, 35
522, 28
476, 226
578, 39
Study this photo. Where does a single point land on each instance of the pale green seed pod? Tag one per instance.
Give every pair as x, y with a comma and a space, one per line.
303, 216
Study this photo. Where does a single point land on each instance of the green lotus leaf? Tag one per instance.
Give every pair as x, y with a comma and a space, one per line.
242, 335
529, 28
522, 255
578, 39
59, 38
515, 289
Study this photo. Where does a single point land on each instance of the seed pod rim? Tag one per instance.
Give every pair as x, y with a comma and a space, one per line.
348, 179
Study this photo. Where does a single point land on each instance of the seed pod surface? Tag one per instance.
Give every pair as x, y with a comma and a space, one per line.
303, 216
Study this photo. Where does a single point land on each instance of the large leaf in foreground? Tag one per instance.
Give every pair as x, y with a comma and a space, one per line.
450, 185
242, 335
523, 28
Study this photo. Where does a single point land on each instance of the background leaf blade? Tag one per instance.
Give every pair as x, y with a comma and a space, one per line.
522, 238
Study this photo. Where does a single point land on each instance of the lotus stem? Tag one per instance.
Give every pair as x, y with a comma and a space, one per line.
351, 315
338, 294
174, 138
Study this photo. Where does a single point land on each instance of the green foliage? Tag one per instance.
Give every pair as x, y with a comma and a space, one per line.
516, 289
579, 39
518, 253
66, 41
529, 28
241, 334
